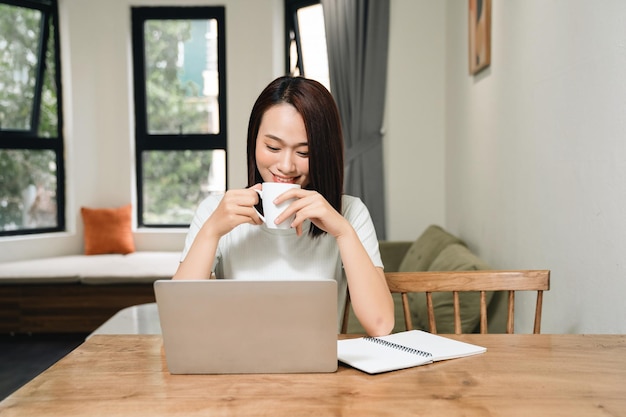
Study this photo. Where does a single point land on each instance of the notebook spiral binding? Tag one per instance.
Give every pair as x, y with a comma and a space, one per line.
399, 347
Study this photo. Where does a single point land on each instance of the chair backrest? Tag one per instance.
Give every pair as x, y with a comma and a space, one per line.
480, 281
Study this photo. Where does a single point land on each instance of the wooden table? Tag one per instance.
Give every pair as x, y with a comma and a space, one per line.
520, 375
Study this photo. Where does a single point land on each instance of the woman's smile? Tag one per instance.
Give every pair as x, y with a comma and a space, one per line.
291, 180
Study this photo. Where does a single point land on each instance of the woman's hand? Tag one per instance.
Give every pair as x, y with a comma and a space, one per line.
312, 205
235, 208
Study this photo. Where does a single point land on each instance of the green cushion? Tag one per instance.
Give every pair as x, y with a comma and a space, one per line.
455, 257
425, 249
393, 252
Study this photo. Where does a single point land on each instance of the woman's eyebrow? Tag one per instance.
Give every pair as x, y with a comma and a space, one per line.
276, 138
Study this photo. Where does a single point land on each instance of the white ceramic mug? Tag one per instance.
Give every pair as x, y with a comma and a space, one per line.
270, 191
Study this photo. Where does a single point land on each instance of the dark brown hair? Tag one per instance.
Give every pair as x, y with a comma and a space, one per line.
323, 129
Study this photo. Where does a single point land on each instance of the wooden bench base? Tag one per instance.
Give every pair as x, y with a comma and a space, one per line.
66, 308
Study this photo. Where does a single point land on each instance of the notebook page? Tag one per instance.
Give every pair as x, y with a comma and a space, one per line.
442, 348
375, 358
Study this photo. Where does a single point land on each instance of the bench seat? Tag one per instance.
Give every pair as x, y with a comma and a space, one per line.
77, 293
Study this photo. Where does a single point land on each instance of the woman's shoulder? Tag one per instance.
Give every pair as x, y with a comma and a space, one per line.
351, 204
356, 212
348, 200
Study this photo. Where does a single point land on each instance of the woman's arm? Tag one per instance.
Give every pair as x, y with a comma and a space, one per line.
370, 297
199, 260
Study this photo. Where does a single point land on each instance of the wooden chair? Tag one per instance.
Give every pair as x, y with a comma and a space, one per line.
460, 281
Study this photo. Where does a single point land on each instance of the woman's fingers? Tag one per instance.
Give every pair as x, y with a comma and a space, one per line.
236, 207
313, 206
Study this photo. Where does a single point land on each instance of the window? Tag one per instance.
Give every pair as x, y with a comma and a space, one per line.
180, 110
31, 141
306, 40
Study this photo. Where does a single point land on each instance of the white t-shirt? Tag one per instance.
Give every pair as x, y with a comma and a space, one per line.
257, 252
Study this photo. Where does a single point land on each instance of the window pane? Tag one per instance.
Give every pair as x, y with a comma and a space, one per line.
28, 180
175, 182
313, 43
19, 44
294, 70
181, 76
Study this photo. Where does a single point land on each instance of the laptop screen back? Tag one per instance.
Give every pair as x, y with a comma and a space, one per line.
238, 326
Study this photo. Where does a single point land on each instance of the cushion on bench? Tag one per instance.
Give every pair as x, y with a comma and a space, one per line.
136, 267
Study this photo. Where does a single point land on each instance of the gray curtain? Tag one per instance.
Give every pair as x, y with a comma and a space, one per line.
357, 34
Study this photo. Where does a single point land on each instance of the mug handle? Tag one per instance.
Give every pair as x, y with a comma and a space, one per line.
260, 193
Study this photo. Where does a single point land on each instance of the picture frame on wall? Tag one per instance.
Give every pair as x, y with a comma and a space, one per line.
479, 24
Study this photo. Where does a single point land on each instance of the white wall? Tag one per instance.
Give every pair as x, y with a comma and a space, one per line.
536, 153
414, 122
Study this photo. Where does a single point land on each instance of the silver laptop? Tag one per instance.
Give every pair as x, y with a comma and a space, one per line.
239, 326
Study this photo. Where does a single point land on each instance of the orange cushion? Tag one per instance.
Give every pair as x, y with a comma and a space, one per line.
108, 230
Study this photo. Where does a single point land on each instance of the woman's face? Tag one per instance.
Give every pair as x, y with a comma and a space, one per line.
282, 148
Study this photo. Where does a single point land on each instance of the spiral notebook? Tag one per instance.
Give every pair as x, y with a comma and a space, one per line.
401, 350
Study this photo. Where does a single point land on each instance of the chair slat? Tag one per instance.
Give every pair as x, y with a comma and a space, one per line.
483, 312
432, 325
457, 312
510, 321
537, 327
407, 311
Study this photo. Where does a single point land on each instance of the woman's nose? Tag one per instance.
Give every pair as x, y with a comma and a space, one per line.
286, 164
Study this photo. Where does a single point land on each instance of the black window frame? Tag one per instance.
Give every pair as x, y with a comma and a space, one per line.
291, 25
30, 140
144, 141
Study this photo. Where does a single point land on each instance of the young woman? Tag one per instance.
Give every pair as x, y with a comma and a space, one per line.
294, 136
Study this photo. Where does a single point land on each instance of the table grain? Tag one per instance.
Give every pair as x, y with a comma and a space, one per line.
519, 375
